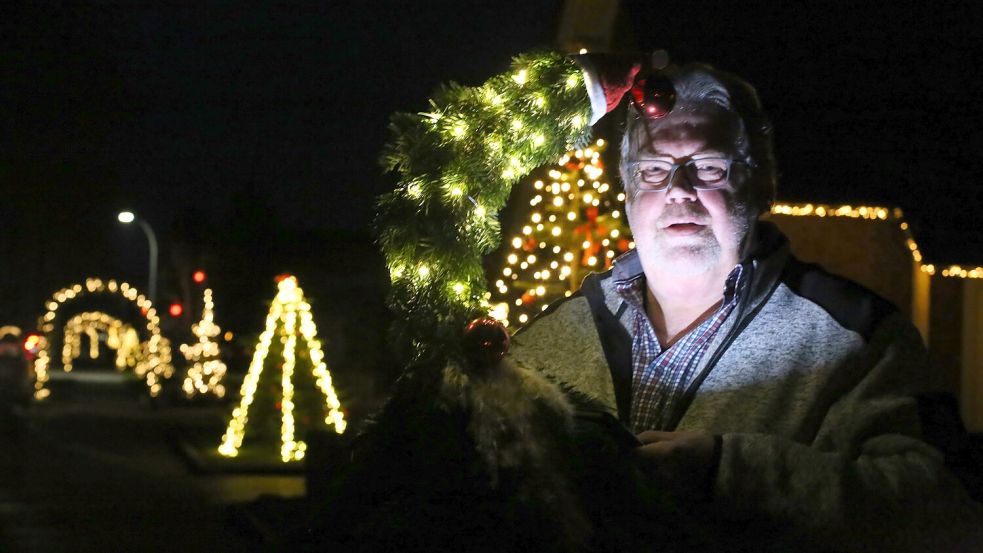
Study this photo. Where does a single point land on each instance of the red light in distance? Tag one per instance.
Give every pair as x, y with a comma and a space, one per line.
31, 343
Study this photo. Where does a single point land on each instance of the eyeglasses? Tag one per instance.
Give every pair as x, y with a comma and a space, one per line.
653, 175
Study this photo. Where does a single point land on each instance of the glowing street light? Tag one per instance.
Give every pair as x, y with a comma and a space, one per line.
127, 217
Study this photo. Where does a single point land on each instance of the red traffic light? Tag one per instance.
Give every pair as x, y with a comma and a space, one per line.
176, 309
198, 277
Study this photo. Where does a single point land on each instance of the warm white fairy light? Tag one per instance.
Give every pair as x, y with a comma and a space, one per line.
561, 229
207, 368
119, 336
876, 214
521, 77
154, 363
290, 449
292, 313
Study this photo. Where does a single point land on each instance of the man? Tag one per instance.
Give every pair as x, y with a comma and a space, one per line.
776, 393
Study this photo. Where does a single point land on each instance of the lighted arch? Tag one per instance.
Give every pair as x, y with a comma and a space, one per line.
119, 336
154, 363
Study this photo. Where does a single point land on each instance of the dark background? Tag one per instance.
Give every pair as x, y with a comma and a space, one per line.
248, 136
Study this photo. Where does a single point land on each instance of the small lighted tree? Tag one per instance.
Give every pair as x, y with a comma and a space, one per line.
207, 368
289, 319
576, 225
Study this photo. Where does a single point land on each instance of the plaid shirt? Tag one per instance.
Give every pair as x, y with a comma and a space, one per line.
660, 378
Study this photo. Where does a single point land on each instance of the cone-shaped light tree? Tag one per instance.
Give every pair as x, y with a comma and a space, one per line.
576, 225
287, 346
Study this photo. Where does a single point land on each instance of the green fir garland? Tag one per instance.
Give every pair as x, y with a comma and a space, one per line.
457, 164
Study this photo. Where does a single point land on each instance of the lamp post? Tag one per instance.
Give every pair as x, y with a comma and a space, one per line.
127, 217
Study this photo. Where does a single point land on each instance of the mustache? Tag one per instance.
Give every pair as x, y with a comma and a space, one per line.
688, 212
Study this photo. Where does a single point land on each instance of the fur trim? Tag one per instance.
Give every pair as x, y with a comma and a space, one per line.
506, 407
516, 417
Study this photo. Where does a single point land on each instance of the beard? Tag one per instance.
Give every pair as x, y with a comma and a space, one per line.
699, 252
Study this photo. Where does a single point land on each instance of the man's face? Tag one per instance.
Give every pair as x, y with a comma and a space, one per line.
686, 231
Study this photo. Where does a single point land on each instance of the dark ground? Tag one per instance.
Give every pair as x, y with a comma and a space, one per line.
95, 470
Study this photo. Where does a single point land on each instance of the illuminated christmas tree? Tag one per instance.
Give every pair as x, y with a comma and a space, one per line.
207, 369
290, 320
576, 226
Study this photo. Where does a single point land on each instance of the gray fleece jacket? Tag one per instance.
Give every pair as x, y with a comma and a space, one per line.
811, 384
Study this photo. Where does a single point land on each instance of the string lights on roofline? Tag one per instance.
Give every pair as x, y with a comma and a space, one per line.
895, 215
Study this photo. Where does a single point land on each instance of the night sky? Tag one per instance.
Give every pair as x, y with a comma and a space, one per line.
249, 137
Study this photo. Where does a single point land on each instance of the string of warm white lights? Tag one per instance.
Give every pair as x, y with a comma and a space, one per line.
881, 214
290, 449
119, 336
457, 164
288, 306
207, 368
154, 362
575, 225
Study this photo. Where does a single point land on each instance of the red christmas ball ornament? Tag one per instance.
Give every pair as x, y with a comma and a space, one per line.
486, 341
653, 96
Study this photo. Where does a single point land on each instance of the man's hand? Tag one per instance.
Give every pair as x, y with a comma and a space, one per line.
685, 462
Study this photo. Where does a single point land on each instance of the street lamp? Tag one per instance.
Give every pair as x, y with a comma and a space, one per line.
127, 217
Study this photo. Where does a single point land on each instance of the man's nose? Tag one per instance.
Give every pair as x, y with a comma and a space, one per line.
680, 189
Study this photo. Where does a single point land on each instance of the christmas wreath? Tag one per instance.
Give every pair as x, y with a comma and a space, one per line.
457, 163
470, 452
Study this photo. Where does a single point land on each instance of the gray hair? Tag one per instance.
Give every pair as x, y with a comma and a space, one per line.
699, 87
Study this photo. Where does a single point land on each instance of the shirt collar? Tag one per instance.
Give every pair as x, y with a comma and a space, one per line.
630, 280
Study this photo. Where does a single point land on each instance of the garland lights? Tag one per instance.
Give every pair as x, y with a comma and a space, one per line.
457, 164
153, 364
207, 369
575, 224
119, 336
291, 314
882, 214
